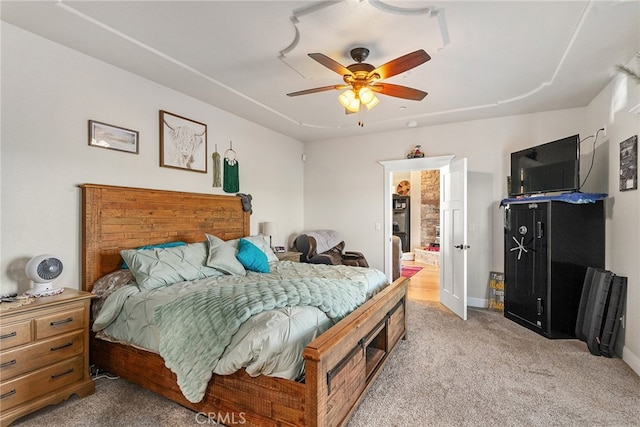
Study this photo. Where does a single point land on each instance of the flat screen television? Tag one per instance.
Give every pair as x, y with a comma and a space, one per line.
546, 168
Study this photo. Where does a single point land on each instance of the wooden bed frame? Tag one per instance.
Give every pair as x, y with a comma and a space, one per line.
340, 364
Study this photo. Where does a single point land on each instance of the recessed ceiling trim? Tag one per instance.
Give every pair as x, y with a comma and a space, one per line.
430, 11
174, 61
294, 18
541, 86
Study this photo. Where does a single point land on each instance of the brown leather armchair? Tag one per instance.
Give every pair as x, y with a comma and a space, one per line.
307, 246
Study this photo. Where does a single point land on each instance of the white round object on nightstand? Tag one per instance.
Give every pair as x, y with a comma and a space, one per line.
42, 270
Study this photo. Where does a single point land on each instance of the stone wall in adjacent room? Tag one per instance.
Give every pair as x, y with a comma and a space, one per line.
430, 206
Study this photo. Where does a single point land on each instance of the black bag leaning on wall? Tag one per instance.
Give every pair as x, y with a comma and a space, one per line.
584, 298
617, 294
601, 307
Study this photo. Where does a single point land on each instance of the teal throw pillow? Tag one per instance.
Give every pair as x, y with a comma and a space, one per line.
251, 257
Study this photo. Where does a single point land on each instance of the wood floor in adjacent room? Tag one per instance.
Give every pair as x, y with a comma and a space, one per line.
425, 284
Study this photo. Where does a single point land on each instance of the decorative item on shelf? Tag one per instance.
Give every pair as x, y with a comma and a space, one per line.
231, 171
42, 270
403, 188
416, 153
270, 229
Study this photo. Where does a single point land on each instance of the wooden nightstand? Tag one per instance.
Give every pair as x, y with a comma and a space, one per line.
289, 256
44, 353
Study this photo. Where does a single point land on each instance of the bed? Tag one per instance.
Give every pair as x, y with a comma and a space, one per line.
339, 364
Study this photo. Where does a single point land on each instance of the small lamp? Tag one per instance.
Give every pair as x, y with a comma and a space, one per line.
270, 229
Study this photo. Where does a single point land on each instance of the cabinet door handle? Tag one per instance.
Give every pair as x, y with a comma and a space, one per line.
539, 230
9, 363
9, 335
60, 347
9, 393
68, 371
62, 322
539, 306
462, 246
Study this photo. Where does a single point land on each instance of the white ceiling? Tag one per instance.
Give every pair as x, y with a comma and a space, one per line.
488, 58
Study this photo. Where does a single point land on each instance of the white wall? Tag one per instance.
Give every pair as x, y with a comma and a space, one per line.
49, 92
623, 207
344, 182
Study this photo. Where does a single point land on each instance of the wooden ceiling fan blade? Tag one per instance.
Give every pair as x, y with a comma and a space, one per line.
315, 90
399, 91
400, 65
331, 64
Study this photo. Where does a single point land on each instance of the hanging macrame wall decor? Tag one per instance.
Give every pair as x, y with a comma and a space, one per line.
217, 181
231, 171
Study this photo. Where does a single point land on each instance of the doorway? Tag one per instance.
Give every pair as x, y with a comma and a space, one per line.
416, 198
407, 166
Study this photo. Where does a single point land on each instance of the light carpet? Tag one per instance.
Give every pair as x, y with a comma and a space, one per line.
487, 371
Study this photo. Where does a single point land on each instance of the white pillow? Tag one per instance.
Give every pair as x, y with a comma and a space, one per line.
222, 257
158, 267
260, 242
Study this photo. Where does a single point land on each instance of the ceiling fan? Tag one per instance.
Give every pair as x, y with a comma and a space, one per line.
362, 80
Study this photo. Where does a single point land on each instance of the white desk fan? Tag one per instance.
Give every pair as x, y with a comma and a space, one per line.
42, 270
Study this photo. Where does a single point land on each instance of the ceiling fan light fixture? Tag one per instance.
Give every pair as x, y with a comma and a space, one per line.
374, 101
361, 79
354, 107
366, 95
349, 100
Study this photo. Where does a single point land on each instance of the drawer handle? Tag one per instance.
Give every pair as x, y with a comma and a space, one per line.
62, 322
68, 371
60, 347
10, 335
9, 363
9, 393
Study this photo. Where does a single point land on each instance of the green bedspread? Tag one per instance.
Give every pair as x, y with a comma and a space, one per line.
196, 329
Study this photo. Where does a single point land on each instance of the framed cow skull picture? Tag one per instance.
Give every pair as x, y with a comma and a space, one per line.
183, 143
112, 137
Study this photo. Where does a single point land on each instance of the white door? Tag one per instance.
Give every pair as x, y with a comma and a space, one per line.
453, 237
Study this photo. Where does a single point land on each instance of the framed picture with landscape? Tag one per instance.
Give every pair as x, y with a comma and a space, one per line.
112, 137
183, 143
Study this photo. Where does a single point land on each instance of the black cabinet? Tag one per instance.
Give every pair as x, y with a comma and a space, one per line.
548, 246
402, 220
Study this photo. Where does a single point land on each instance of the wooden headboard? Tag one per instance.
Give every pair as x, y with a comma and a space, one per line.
116, 218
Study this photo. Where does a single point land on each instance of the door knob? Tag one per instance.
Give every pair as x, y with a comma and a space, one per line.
462, 246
